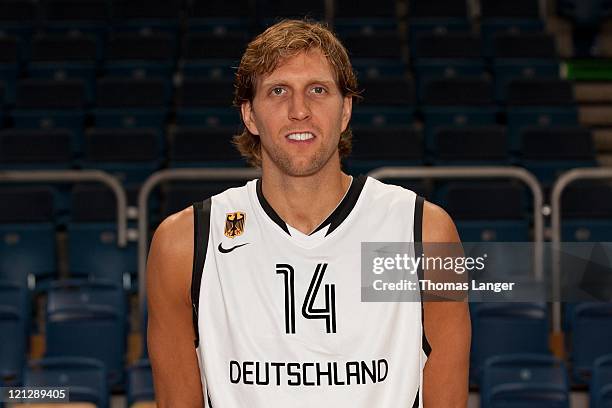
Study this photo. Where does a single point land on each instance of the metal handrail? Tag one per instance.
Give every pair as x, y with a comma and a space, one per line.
591, 173
77, 176
460, 172
212, 174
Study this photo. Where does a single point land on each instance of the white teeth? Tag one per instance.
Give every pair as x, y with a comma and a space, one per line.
301, 136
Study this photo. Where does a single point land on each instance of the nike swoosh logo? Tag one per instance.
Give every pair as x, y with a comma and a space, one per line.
225, 251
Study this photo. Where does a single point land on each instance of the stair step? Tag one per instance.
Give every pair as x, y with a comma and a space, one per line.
603, 139
588, 70
591, 92
605, 45
598, 115
605, 160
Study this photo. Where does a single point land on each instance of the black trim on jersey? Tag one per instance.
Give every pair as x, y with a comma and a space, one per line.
208, 397
415, 404
201, 229
345, 207
269, 210
335, 218
418, 249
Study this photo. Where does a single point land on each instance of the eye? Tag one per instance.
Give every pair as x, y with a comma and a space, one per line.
277, 91
318, 90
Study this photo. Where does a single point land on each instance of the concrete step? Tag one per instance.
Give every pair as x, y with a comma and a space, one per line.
595, 115
602, 138
605, 160
604, 45
593, 92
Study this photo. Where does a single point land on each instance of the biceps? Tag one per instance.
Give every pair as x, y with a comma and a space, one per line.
172, 352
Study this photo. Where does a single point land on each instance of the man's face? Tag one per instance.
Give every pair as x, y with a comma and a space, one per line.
298, 112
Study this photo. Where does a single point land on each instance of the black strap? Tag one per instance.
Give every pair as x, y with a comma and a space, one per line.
201, 229
416, 402
418, 250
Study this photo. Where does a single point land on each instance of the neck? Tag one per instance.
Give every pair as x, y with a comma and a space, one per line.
305, 201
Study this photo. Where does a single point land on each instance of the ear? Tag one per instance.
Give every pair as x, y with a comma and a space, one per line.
347, 110
248, 117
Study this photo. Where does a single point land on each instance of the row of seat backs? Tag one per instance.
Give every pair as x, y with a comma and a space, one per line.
86, 380
22, 148
106, 10
165, 47
464, 199
115, 92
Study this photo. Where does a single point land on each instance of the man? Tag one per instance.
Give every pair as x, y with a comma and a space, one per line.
292, 240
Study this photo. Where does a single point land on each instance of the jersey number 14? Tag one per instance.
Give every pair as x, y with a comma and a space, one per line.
309, 311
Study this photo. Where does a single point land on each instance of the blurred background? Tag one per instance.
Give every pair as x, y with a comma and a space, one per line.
134, 87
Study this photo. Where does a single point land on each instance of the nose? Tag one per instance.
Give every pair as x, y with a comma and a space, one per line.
299, 108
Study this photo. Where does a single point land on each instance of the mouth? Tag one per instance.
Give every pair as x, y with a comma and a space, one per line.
300, 136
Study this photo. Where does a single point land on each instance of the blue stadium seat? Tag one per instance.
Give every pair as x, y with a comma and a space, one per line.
146, 15
584, 13
543, 102
27, 247
438, 16
506, 328
487, 211
92, 238
68, 293
373, 68
203, 147
371, 148
386, 102
362, 9
85, 378
178, 196
62, 56
457, 102
10, 59
471, 145
212, 55
131, 103
73, 16
206, 103
17, 295
50, 104
549, 151
447, 55
13, 343
365, 27
140, 55
18, 17
523, 55
380, 45
587, 212
545, 371
140, 383
131, 155
512, 17
272, 11
89, 331
220, 16
601, 383
528, 395
35, 149
591, 337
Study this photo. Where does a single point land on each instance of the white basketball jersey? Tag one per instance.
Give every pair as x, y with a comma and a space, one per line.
278, 314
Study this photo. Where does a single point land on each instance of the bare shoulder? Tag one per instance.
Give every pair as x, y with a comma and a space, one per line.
174, 233
438, 226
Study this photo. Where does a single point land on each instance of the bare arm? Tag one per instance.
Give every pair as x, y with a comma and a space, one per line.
447, 328
176, 374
